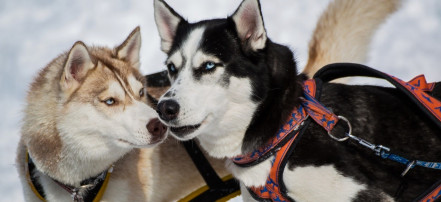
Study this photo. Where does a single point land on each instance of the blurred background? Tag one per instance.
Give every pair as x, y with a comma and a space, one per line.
33, 32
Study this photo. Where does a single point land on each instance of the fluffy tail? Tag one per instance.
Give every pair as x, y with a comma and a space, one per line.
345, 30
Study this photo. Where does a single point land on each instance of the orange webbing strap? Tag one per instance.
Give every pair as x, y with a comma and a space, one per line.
297, 123
298, 116
421, 83
272, 190
432, 196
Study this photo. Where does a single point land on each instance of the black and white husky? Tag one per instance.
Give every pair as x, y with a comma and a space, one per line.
233, 88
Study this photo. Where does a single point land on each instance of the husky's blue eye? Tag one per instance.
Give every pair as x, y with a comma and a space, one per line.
109, 101
209, 65
141, 92
171, 68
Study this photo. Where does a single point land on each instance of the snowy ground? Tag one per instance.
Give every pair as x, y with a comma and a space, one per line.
32, 33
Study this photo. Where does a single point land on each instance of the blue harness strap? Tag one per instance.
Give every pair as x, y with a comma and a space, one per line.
411, 163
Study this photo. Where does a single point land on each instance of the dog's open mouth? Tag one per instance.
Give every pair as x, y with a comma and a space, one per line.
184, 130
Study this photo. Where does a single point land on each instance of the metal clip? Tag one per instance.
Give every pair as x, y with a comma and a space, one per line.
363, 142
408, 167
348, 134
76, 196
380, 148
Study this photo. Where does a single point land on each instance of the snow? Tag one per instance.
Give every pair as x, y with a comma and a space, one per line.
32, 33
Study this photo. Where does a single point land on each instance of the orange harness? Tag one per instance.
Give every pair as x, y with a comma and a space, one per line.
283, 144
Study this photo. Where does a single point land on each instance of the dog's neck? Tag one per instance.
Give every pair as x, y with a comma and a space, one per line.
273, 113
283, 93
225, 141
89, 187
263, 120
70, 164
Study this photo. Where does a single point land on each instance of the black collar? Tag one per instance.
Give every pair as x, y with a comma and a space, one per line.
90, 189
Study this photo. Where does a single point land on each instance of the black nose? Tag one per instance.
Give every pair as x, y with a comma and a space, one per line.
168, 110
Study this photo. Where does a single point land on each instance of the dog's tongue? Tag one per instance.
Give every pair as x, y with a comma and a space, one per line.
156, 128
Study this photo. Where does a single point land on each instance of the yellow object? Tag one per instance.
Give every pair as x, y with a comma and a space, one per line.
100, 193
28, 178
97, 198
205, 188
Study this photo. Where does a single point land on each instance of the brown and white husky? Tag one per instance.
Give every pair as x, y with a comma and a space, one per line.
86, 113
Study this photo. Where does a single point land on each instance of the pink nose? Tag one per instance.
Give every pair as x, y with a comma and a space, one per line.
156, 128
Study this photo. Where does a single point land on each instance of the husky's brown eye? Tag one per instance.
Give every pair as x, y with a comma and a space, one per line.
109, 101
141, 92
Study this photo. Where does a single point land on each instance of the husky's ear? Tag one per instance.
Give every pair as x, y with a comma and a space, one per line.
130, 48
249, 25
77, 65
167, 21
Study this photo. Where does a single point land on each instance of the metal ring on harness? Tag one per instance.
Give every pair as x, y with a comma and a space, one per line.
347, 134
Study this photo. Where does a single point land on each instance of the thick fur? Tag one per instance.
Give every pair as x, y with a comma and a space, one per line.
351, 20
232, 93
72, 130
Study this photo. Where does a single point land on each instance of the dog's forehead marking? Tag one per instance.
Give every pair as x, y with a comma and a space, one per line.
126, 88
188, 49
125, 78
176, 58
115, 88
191, 44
